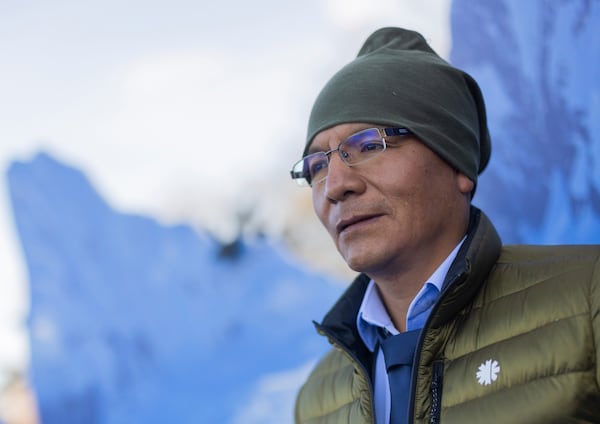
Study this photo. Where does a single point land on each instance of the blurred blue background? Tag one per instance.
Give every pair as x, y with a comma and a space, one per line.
158, 264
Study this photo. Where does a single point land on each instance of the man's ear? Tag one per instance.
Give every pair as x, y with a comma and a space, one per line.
464, 183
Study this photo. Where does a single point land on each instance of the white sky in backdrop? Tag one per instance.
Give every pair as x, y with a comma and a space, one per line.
173, 109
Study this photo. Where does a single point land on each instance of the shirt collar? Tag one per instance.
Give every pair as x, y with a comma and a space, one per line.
373, 314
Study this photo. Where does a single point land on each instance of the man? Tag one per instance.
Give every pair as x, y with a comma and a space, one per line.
444, 324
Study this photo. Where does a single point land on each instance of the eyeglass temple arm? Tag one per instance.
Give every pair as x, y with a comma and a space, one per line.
396, 131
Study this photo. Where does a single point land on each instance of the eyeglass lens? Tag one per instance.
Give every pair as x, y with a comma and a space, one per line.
357, 148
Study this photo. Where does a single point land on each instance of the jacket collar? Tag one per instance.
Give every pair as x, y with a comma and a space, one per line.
340, 321
470, 269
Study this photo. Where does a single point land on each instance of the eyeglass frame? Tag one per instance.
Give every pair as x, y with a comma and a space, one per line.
383, 133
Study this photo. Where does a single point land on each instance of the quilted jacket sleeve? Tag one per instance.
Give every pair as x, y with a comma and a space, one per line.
334, 393
595, 310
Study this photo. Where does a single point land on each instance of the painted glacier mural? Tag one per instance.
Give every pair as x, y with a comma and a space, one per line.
538, 63
135, 322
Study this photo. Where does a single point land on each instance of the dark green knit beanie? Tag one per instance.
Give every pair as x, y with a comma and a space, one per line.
398, 80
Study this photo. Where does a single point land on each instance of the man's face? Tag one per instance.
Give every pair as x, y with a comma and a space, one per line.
405, 208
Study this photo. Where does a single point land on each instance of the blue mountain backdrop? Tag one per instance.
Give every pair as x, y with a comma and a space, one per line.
135, 321
538, 64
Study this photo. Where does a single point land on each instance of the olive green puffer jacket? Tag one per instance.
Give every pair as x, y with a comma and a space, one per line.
514, 338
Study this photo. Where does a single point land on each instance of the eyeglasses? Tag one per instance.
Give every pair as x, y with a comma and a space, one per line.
359, 148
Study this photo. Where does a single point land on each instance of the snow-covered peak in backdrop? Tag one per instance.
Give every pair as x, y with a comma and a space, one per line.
133, 321
538, 64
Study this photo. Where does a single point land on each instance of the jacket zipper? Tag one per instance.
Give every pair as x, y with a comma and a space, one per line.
436, 391
411, 397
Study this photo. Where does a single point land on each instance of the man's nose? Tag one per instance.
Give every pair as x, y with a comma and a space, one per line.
341, 180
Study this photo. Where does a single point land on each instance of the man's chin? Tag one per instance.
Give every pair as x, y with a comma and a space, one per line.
359, 261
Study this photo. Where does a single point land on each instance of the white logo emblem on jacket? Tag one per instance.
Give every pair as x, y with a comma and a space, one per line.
488, 372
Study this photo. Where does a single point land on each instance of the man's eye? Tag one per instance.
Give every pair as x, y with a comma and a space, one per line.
371, 146
317, 166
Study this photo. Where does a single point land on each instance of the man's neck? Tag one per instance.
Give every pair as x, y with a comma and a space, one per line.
398, 291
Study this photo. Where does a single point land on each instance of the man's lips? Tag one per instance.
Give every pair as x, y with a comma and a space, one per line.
344, 223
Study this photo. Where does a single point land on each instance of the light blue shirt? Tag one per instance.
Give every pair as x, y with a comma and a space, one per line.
373, 314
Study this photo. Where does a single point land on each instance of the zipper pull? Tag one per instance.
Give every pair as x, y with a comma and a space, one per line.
437, 381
